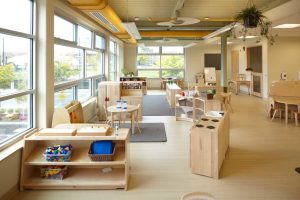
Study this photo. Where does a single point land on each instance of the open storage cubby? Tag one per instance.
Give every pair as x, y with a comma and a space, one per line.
83, 173
135, 79
132, 88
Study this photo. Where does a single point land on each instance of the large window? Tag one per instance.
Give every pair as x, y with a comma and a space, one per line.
68, 63
113, 58
68, 31
157, 62
78, 62
16, 68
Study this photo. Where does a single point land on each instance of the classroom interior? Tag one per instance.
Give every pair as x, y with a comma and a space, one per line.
193, 104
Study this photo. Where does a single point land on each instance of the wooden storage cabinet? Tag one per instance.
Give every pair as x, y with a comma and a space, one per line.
82, 172
208, 147
171, 91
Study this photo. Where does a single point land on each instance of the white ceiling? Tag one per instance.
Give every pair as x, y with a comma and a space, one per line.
192, 8
278, 11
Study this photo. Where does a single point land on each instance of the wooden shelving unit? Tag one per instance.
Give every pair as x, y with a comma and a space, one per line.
82, 172
190, 108
132, 88
142, 80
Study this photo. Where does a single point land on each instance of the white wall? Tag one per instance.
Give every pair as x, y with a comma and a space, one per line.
10, 175
284, 56
243, 62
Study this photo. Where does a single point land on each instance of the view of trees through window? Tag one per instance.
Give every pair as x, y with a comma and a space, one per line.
156, 62
68, 63
16, 90
77, 66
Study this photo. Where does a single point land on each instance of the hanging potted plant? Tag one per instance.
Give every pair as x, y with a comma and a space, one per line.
251, 17
254, 21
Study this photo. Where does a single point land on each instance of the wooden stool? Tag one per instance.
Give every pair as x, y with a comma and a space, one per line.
197, 196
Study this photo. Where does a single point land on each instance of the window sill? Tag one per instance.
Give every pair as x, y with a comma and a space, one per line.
10, 150
14, 145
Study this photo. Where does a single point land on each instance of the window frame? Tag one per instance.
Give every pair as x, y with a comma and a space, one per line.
115, 56
31, 90
75, 83
160, 68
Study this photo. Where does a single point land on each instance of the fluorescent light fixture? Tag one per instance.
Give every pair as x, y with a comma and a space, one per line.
247, 37
288, 26
222, 30
190, 45
227, 43
132, 30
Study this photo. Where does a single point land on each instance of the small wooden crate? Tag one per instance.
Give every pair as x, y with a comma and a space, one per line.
102, 157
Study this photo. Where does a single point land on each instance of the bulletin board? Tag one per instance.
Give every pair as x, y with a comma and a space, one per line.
210, 74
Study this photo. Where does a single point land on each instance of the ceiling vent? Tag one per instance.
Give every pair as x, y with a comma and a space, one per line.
103, 20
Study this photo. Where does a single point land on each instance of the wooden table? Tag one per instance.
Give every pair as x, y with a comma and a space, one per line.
287, 101
238, 83
130, 109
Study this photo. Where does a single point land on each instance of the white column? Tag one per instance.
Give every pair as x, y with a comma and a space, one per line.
44, 62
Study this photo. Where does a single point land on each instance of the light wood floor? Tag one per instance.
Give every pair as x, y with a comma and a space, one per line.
259, 166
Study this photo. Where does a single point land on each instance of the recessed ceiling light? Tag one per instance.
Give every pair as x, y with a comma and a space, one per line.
247, 37
288, 26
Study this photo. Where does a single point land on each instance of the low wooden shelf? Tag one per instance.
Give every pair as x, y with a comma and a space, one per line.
82, 172
191, 108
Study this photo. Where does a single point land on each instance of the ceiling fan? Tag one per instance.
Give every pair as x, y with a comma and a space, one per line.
179, 21
176, 20
166, 40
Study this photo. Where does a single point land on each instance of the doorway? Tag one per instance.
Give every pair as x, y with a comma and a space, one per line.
254, 62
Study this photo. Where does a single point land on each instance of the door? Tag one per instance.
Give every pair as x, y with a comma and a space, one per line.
234, 64
256, 81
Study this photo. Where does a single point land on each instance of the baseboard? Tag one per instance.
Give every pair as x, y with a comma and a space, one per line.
11, 193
